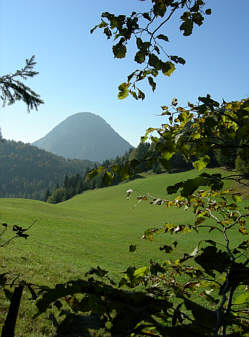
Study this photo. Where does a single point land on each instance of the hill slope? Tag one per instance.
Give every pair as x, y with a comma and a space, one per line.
86, 230
27, 172
84, 136
92, 229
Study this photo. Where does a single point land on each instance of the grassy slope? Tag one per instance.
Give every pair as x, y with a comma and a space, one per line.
94, 228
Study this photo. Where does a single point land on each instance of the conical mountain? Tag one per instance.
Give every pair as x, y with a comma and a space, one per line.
84, 135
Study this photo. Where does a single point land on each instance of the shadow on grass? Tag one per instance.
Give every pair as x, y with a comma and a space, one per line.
80, 326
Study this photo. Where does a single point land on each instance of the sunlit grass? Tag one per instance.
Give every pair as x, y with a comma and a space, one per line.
92, 229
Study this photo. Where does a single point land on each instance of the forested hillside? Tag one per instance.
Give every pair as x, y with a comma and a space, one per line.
141, 159
138, 160
28, 172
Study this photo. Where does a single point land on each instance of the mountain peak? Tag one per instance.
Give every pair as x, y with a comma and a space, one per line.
84, 135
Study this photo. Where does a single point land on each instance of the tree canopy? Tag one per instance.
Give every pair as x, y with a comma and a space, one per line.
148, 30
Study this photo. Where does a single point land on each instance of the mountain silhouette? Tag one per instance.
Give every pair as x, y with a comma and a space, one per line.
84, 135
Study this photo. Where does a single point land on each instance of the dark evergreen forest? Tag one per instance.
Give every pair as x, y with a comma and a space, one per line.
28, 172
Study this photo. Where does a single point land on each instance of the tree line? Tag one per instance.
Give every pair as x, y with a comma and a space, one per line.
146, 158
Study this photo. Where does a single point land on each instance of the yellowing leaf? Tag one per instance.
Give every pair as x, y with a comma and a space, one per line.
196, 136
168, 68
241, 299
140, 272
243, 230
167, 155
237, 197
201, 163
123, 91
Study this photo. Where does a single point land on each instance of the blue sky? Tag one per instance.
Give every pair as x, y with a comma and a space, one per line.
78, 72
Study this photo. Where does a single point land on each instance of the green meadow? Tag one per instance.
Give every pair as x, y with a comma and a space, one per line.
89, 230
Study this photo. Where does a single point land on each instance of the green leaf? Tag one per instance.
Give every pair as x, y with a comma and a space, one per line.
134, 94
168, 68
140, 272
208, 11
147, 16
119, 50
94, 28
237, 197
163, 37
123, 90
139, 42
177, 59
152, 83
241, 299
141, 94
198, 18
129, 77
187, 27
145, 46
140, 57
154, 72
201, 163
167, 155
155, 62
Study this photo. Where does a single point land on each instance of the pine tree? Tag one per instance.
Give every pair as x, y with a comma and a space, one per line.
12, 89
47, 195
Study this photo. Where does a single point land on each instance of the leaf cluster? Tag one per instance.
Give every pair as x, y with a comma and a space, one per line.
198, 132
147, 30
19, 231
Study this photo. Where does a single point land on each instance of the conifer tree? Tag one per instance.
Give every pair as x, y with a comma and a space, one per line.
13, 89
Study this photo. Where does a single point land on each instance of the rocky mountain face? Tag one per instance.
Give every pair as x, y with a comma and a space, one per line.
84, 136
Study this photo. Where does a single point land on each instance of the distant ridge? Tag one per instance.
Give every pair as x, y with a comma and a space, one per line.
84, 135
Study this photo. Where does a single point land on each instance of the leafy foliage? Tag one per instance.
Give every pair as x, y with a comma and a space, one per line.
201, 293
18, 230
147, 29
199, 132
